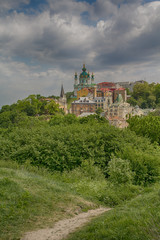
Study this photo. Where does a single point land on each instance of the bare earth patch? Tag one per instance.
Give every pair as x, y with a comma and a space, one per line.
62, 228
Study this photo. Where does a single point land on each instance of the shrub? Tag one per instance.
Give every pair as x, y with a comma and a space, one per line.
119, 171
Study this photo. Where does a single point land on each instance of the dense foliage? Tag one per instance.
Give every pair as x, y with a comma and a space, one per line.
148, 126
145, 95
31, 106
76, 140
48, 161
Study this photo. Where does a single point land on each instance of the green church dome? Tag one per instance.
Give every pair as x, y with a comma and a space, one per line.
84, 74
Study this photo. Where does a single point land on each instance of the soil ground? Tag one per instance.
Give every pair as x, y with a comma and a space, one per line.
64, 227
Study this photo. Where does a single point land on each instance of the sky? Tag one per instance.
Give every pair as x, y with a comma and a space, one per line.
43, 43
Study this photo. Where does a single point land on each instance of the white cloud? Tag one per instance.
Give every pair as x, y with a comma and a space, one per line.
18, 80
44, 37
39, 52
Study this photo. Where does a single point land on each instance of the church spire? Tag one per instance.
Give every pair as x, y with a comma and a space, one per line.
62, 91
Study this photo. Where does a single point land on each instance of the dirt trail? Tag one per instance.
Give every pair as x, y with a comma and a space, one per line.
62, 228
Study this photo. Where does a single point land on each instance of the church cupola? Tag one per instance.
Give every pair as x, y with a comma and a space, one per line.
88, 79
92, 78
75, 78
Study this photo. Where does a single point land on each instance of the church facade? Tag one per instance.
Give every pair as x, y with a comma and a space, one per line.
85, 80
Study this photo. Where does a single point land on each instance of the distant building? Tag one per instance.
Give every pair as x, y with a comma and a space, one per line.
91, 96
119, 91
108, 85
118, 112
137, 111
102, 102
115, 89
83, 105
130, 85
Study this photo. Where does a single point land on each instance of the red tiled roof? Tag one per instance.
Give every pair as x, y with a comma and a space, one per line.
106, 84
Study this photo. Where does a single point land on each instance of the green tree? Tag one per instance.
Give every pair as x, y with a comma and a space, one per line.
157, 92
132, 101
141, 90
52, 108
145, 95
99, 111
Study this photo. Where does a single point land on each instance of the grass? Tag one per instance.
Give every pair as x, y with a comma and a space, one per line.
32, 198
31, 201
139, 219
94, 187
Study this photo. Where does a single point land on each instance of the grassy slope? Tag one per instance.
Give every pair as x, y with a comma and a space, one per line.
139, 219
30, 201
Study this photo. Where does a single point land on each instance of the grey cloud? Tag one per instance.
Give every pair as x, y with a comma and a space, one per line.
11, 4
69, 7
125, 1
134, 36
56, 38
102, 9
45, 38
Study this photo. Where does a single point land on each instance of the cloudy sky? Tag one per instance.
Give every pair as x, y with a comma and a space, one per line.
43, 42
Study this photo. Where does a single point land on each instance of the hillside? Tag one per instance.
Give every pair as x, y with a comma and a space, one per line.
30, 200
52, 170
139, 219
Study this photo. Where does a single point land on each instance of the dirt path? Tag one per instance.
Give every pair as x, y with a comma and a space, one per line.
62, 228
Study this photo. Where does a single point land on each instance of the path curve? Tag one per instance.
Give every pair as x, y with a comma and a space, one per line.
62, 228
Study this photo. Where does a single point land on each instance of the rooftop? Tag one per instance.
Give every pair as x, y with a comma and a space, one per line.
83, 100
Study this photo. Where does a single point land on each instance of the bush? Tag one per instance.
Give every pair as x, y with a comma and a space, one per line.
148, 126
119, 171
68, 146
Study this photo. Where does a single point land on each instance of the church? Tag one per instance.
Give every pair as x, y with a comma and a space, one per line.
85, 80
91, 96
